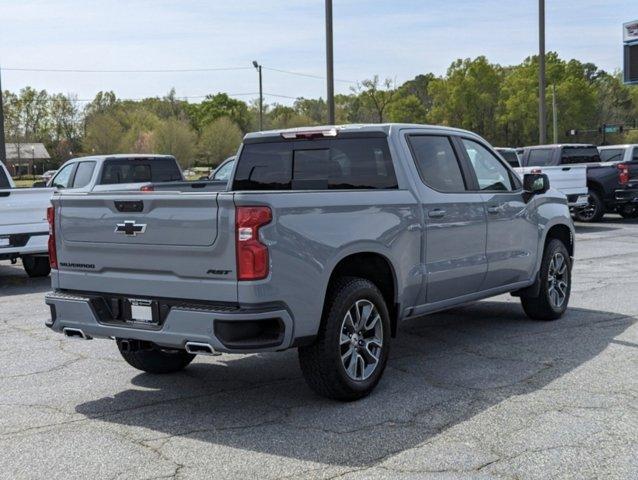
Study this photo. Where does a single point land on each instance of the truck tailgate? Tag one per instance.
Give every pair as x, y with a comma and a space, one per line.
162, 244
568, 179
24, 209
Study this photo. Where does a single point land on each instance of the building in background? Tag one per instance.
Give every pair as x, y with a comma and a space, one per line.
27, 158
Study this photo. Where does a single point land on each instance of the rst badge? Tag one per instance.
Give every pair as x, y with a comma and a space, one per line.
130, 228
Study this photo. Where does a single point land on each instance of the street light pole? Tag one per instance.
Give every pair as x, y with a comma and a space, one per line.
330, 65
542, 116
554, 113
261, 97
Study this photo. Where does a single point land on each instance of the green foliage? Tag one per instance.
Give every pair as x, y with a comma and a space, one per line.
219, 140
217, 106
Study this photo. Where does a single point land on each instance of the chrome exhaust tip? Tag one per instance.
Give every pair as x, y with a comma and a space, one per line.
75, 333
197, 348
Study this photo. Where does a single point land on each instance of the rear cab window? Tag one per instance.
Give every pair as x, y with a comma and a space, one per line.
437, 162
612, 154
572, 155
510, 157
139, 170
341, 163
539, 157
83, 174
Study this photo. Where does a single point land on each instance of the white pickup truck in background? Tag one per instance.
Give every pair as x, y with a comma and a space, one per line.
571, 180
24, 230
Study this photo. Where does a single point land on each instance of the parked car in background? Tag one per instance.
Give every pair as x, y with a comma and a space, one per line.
116, 172
571, 181
610, 188
322, 240
24, 231
223, 171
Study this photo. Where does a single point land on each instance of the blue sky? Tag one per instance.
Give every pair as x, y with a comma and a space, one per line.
397, 39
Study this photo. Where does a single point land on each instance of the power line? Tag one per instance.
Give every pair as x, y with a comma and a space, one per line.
180, 97
163, 70
166, 70
308, 75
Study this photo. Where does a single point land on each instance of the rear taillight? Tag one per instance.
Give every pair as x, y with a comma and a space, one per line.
252, 255
623, 173
53, 254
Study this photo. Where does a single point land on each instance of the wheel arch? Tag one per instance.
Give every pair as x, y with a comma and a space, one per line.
375, 267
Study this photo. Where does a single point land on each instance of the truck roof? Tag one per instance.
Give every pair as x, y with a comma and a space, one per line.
363, 127
611, 147
122, 155
560, 145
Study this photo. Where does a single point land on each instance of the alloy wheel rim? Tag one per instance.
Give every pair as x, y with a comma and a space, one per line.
588, 211
361, 340
558, 281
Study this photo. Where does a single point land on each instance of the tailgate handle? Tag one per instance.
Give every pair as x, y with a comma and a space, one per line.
129, 207
5, 194
566, 169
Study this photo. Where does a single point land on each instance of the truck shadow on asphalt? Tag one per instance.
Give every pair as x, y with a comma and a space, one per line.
444, 369
14, 281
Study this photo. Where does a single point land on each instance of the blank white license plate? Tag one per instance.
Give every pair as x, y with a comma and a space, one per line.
141, 310
4, 242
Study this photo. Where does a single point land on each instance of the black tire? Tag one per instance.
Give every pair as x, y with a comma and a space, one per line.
543, 306
36, 266
628, 211
321, 363
150, 358
594, 211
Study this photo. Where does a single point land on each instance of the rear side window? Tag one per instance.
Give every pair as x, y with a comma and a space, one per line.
139, 170
83, 174
4, 180
325, 164
579, 155
437, 163
539, 157
612, 154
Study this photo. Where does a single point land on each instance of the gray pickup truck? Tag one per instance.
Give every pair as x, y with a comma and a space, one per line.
323, 240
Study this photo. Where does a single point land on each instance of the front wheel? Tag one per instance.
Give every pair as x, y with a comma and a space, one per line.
36, 266
351, 351
150, 358
555, 284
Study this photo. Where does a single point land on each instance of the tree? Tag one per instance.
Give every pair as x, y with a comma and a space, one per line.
375, 96
217, 106
103, 134
407, 109
219, 140
177, 138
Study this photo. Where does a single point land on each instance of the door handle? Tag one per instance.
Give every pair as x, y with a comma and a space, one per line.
494, 209
436, 213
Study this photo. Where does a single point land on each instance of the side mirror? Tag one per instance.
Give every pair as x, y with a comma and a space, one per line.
535, 183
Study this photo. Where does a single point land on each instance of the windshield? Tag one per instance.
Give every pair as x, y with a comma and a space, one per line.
510, 157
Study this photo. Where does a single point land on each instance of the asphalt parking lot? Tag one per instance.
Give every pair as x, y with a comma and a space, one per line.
478, 392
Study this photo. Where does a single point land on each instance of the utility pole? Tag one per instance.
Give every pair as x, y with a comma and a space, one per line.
3, 153
261, 97
554, 113
330, 65
542, 116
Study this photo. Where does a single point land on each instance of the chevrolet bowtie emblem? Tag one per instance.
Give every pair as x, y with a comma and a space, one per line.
130, 228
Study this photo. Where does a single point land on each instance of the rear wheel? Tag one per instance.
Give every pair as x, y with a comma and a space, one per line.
150, 358
593, 211
351, 350
555, 284
628, 211
36, 266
